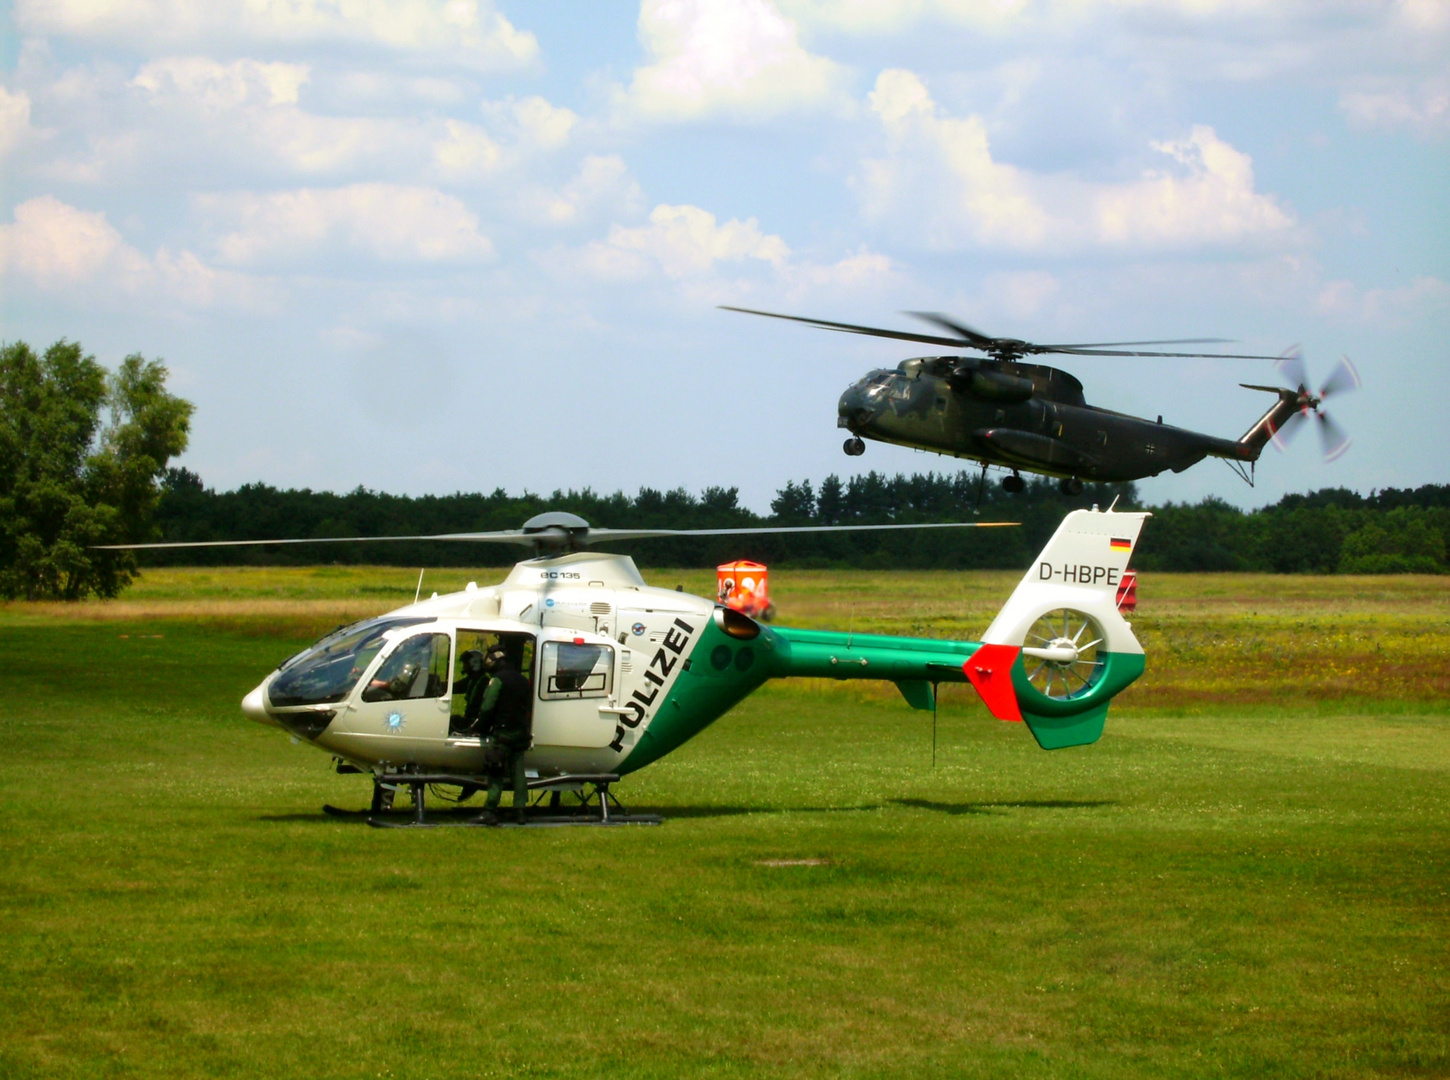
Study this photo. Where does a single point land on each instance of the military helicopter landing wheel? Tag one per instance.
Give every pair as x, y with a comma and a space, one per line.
854, 447
1071, 485
1060, 654
1013, 484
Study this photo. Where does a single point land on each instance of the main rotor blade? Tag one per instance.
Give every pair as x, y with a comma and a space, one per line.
1343, 377
645, 534
849, 328
508, 536
974, 337
1068, 351
533, 539
1124, 344
982, 341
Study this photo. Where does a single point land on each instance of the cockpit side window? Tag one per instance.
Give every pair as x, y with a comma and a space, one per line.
416, 668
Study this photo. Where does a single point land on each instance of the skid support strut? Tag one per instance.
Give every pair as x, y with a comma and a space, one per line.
594, 803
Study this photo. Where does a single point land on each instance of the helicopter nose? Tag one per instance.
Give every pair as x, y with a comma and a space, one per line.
852, 411
254, 707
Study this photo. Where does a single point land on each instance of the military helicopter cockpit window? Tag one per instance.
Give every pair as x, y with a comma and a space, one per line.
879, 383
572, 670
870, 379
328, 670
417, 668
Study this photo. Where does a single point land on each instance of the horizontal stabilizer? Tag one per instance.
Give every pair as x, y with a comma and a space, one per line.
919, 693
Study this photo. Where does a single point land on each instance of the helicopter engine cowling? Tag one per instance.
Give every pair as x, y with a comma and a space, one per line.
991, 385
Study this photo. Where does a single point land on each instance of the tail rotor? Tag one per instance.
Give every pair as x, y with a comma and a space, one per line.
1333, 439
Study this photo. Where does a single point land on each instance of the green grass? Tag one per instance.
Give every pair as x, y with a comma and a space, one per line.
1247, 876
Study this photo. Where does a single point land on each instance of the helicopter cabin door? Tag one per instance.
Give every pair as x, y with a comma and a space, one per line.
406, 696
576, 679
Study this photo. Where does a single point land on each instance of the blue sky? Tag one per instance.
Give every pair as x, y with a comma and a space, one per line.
426, 246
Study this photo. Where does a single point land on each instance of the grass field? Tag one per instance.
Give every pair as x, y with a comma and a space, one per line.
1248, 876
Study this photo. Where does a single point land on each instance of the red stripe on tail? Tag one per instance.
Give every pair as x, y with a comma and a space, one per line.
990, 671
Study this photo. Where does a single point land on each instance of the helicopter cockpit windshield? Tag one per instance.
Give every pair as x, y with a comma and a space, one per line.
329, 670
874, 380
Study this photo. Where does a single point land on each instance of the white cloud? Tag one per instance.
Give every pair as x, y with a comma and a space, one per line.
467, 32
1424, 108
603, 181
683, 241
1172, 41
225, 125
1424, 15
939, 180
55, 247
1020, 294
184, 276
721, 262
386, 221
224, 86
361, 90
246, 112
532, 121
467, 152
738, 58
303, 142
890, 16
52, 244
1378, 306
521, 128
865, 270
14, 119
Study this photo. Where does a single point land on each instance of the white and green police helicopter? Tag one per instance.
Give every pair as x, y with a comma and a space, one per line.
622, 673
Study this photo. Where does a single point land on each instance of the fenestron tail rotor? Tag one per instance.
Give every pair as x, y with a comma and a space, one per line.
1333, 439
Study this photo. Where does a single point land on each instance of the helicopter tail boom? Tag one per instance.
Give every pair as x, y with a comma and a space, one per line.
1251, 444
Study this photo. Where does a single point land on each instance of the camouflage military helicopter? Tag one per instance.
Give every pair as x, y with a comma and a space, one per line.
998, 410
622, 673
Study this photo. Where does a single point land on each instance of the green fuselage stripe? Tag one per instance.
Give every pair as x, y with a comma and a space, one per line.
722, 670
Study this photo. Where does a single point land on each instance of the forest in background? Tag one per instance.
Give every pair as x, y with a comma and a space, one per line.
1332, 530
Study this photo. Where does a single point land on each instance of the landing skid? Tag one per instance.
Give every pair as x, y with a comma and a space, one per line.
595, 804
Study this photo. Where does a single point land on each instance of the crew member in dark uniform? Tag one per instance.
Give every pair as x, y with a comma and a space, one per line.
504, 712
471, 686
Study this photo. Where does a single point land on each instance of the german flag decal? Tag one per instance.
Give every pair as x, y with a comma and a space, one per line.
1117, 543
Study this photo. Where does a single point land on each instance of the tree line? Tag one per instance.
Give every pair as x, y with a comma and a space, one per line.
1329, 531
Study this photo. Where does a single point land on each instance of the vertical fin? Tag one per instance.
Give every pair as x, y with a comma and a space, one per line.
1076, 575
